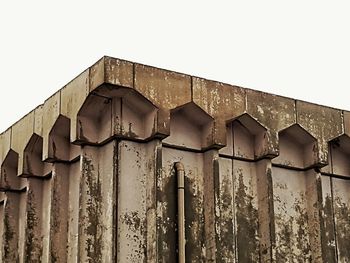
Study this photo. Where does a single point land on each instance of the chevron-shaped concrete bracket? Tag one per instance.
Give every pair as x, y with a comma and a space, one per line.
321, 122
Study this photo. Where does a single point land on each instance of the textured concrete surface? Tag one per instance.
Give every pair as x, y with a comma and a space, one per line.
88, 176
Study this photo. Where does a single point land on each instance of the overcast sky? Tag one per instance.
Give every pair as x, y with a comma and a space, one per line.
299, 49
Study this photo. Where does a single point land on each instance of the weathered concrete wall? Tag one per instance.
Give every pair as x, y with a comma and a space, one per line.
89, 176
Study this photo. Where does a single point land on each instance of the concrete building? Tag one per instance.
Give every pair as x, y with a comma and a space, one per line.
131, 163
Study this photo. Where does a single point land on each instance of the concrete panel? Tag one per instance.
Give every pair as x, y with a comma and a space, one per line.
113, 71
322, 123
246, 211
336, 219
138, 117
329, 248
5, 144
33, 220
346, 116
32, 159
247, 139
46, 255
298, 149
59, 146
194, 207
73, 96
38, 120
190, 127
266, 217
56, 246
22, 131
137, 171
339, 149
221, 101
341, 202
291, 216
9, 167
94, 119
115, 113
211, 172
73, 211
10, 238
52, 109
165, 89
273, 112
228, 149
225, 213
97, 204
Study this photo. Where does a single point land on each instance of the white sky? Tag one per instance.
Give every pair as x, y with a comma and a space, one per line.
299, 49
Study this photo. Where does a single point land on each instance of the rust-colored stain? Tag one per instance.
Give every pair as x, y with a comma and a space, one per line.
88, 176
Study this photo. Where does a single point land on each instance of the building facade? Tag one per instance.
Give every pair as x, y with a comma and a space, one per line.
131, 163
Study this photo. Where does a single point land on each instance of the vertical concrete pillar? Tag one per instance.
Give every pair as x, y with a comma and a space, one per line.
55, 249
210, 174
73, 211
314, 208
266, 212
138, 167
10, 227
225, 213
46, 219
329, 249
97, 203
32, 204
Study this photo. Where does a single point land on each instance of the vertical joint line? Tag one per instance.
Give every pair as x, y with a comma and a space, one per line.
180, 173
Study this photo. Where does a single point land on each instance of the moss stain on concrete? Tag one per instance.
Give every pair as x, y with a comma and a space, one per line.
94, 243
342, 219
247, 224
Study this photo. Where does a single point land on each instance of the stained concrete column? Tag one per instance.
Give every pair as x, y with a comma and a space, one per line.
266, 212
244, 215
225, 213
56, 238
31, 222
97, 203
314, 212
210, 173
10, 227
139, 165
73, 211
